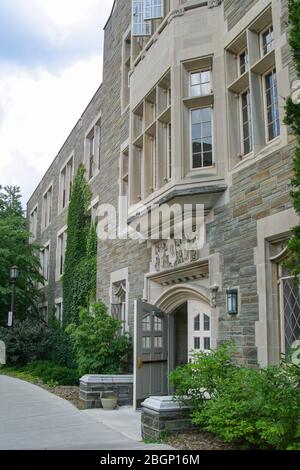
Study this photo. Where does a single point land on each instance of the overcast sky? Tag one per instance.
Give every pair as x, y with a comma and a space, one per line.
50, 67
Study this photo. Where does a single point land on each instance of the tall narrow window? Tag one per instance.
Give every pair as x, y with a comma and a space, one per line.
153, 9
201, 137
200, 83
47, 209
91, 155
271, 100
154, 163
267, 40
45, 254
140, 27
169, 152
61, 247
246, 122
66, 176
124, 168
33, 224
243, 62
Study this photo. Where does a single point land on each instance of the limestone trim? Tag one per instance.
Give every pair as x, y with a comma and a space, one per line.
269, 229
179, 294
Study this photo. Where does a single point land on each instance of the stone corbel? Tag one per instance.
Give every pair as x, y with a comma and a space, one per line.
214, 3
175, 14
213, 295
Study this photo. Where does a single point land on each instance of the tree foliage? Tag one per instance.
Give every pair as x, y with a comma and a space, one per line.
99, 347
29, 340
79, 279
16, 250
292, 119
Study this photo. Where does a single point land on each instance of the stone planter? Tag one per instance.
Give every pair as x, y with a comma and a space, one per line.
92, 386
109, 400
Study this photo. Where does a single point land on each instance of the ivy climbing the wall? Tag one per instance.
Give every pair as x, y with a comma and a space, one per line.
79, 279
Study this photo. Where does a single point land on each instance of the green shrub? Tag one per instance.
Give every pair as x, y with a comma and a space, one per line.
52, 374
61, 349
254, 407
99, 347
27, 341
193, 381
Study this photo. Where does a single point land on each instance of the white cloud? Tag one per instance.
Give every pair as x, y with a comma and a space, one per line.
38, 111
40, 103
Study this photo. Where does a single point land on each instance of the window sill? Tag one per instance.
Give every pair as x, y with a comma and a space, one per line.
204, 171
94, 177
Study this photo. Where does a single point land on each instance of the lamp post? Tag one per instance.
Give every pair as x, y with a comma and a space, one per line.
13, 277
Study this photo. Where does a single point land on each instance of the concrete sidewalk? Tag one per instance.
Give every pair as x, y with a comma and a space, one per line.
32, 418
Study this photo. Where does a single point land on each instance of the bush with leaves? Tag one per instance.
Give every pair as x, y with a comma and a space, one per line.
29, 340
61, 349
253, 407
193, 382
52, 374
99, 347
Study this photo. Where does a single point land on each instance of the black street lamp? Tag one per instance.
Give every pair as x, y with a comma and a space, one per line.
13, 277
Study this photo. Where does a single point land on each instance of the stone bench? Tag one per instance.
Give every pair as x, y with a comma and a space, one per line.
163, 415
91, 387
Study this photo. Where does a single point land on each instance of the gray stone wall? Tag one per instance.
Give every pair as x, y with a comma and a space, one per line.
258, 191
74, 144
234, 10
115, 255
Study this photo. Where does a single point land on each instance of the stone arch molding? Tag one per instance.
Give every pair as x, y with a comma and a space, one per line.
177, 295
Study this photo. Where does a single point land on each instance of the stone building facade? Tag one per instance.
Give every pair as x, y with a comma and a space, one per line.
190, 111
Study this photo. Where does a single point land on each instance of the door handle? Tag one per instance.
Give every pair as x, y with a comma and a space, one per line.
139, 363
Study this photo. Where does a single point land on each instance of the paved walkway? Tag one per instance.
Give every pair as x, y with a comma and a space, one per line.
32, 418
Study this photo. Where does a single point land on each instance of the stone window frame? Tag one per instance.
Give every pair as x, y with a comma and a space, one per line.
45, 246
126, 71
59, 301
92, 209
44, 305
250, 36
46, 223
147, 119
64, 167
261, 39
272, 71
201, 169
33, 211
269, 229
241, 123
95, 129
58, 274
122, 275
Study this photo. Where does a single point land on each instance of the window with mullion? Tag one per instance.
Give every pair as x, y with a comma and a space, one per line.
91, 156
201, 137
272, 110
243, 62
246, 122
267, 41
200, 83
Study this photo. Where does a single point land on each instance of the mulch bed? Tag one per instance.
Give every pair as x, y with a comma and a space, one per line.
68, 393
198, 440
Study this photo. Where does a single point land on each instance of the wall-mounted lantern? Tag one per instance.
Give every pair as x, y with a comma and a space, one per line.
232, 301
